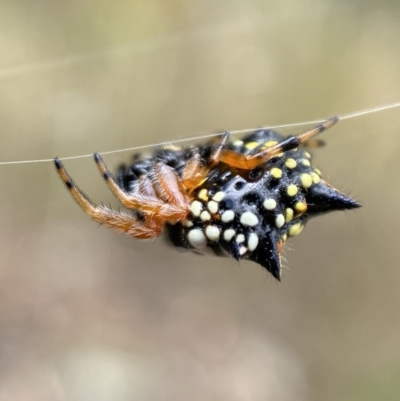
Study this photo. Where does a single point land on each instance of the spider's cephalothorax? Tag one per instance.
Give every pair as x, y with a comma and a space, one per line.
242, 198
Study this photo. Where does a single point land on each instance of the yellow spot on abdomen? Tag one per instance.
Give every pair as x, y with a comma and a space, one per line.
269, 144
290, 163
276, 172
306, 180
315, 178
292, 190
296, 229
251, 145
203, 195
300, 207
289, 214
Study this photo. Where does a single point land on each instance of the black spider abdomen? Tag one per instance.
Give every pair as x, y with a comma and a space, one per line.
250, 214
245, 214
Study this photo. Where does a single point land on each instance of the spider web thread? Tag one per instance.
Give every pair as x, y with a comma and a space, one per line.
200, 137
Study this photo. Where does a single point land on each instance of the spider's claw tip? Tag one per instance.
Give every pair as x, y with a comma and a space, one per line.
328, 123
97, 157
58, 163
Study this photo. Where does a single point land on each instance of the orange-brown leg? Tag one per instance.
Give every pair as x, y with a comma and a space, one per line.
191, 171
169, 187
194, 173
249, 162
117, 221
145, 187
169, 212
216, 154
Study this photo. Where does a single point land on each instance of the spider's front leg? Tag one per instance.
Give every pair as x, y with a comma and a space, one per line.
120, 222
194, 173
168, 188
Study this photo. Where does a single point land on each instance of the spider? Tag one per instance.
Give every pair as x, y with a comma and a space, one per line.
240, 198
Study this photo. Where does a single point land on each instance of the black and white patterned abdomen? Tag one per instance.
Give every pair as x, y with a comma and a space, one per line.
247, 214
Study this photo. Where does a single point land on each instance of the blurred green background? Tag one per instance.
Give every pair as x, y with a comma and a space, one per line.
86, 314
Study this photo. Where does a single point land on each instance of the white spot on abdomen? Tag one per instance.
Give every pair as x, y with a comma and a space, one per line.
212, 207
197, 238
228, 234
228, 216
205, 216
249, 219
240, 238
252, 242
280, 220
270, 204
219, 196
187, 223
196, 207
242, 250
212, 233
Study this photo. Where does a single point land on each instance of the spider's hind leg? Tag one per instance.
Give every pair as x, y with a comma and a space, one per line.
250, 162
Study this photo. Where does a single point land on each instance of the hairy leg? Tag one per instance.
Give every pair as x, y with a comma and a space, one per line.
120, 222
